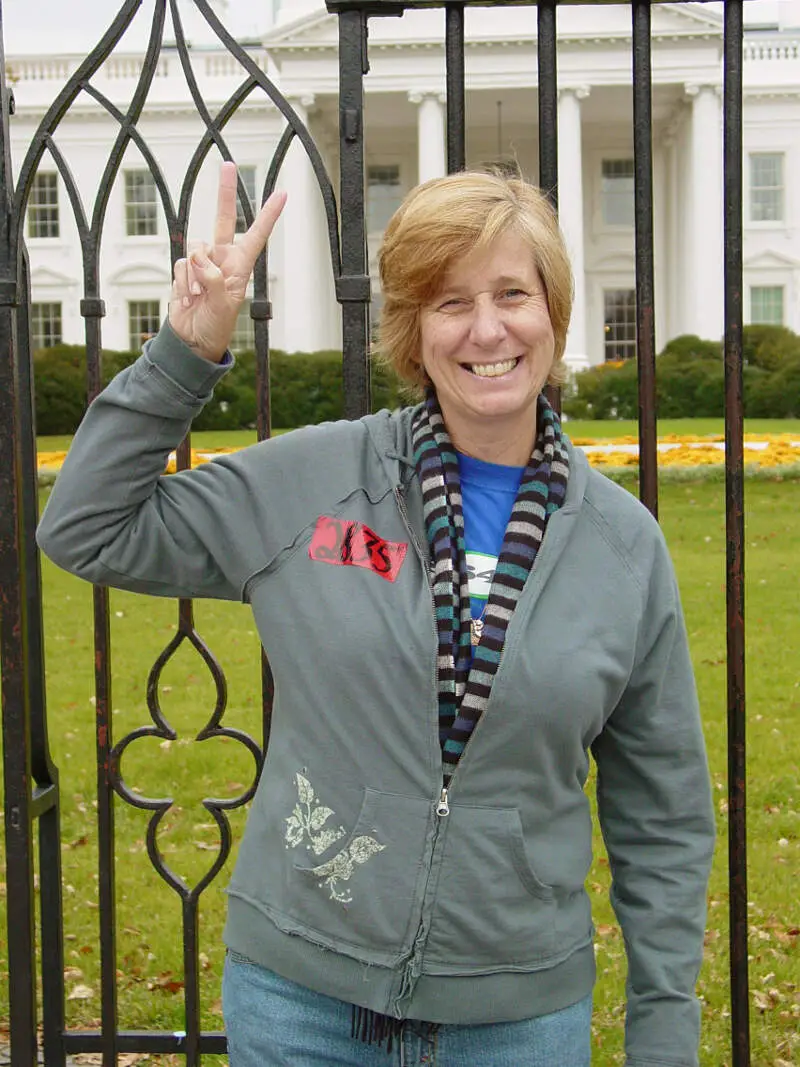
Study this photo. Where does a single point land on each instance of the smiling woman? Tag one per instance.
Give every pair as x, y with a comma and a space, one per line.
457, 611
487, 347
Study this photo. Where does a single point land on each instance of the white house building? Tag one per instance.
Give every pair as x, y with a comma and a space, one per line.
404, 143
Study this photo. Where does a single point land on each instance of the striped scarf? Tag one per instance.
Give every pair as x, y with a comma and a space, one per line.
466, 675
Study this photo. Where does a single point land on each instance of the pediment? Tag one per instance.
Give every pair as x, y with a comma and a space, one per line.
319, 30
140, 274
44, 276
769, 260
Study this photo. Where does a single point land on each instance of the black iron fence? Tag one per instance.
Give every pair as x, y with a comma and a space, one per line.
32, 794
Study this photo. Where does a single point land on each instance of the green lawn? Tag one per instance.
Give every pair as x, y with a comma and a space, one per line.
577, 428
149, 914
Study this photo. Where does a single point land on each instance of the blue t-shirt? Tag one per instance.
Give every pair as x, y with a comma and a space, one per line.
488, 492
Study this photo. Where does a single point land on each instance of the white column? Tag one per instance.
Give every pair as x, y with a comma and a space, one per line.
305, 298
660, 242
570, 213
672, 242
703, 261
432, 162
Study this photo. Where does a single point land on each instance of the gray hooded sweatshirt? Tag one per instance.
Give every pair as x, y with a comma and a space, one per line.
353, 878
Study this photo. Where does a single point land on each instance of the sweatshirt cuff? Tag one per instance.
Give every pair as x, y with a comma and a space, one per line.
184, 367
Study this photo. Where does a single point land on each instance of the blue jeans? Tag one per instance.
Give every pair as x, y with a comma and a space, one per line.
272, 1022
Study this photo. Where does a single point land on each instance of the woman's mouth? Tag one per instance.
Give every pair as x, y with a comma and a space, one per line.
492, 370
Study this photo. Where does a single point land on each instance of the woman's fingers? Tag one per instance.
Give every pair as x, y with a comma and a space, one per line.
252, 243
180, 287
225, 228
206, 274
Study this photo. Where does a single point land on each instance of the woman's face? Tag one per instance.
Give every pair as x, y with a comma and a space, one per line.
488, 344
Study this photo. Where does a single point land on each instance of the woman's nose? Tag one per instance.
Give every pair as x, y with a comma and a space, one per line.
487, 326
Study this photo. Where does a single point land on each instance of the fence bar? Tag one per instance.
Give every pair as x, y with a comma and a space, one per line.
152, 1041
354, 283
93, 310
734, 533
643, 215
456, 108
13, 653
548, 123
548, 99
45, 799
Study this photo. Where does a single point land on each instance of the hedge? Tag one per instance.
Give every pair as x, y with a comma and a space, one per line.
690, 380
304, 388
307, 387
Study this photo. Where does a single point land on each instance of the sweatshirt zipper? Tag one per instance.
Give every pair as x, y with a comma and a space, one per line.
442, 804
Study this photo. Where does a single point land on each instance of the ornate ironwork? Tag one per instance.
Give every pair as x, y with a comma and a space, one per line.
31, 779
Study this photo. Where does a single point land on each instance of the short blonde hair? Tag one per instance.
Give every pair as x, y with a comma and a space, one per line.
444, 220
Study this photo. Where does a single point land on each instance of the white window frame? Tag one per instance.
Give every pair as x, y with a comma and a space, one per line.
247, 171
605, 226
777, 287
37, 332
243, 338
612, 288
751, 188
135, 342
384, 161
132, 206
34, 206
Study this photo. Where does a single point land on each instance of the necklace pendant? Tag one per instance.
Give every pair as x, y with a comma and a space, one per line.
475, 630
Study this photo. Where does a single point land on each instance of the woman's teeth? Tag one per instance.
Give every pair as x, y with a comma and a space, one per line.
493, 370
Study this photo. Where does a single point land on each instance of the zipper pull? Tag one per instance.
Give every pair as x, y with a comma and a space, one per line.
443, 808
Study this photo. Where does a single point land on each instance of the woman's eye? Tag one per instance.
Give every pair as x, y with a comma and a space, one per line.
513, 294
453, 304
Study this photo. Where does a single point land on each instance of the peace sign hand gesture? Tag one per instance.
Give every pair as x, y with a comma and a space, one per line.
210, 286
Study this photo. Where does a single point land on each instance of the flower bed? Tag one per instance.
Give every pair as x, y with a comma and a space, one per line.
778, 453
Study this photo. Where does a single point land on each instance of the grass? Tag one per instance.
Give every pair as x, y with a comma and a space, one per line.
577, 428
149, 914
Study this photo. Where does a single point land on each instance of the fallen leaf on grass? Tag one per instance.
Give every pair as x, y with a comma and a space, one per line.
167, 983
81, 992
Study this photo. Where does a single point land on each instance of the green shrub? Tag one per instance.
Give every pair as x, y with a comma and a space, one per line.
777, 395
769, 347
607, 391
689, 347
304, 388
690, 380
60, 384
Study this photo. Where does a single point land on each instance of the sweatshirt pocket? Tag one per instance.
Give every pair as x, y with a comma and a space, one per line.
362, 888
492, 911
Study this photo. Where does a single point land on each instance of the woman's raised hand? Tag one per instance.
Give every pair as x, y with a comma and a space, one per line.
210, 286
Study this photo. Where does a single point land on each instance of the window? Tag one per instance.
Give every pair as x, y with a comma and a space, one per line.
766, 187
141, 204
248, 176
144, 321
616, 192
766, 304
244, 335
383, 195
45, 326
619, 324
43, 206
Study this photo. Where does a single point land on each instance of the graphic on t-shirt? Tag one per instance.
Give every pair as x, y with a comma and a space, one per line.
480, 571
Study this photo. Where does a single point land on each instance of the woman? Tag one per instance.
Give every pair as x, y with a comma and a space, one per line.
457, 609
